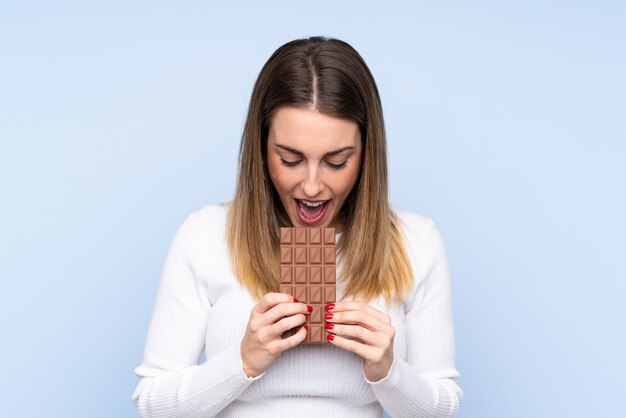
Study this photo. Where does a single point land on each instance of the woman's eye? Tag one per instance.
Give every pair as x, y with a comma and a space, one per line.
289, 163
337, 166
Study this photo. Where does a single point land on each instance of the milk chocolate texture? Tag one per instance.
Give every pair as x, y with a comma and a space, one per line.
308, 273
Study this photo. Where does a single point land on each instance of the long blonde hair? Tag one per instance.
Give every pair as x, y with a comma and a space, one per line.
331, 77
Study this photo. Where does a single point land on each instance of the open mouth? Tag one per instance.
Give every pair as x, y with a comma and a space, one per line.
310, 212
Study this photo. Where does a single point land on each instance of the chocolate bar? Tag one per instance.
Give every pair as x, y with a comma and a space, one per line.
307, 272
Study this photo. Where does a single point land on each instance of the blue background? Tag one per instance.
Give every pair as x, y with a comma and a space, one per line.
506, 124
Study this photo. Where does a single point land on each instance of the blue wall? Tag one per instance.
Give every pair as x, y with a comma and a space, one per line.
506, 124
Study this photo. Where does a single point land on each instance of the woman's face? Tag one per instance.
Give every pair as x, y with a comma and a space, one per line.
313, 160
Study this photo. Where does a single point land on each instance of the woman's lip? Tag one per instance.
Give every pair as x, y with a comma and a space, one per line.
317, 219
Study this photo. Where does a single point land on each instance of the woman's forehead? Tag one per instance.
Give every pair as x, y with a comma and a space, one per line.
305, 129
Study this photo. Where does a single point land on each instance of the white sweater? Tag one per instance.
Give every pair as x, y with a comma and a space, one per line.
201, 305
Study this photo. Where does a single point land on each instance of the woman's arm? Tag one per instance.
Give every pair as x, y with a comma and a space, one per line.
172, 383
425, 384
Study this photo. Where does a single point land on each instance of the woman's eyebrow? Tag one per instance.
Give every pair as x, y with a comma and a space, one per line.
328, 154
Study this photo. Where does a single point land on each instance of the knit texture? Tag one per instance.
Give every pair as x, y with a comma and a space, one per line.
201, 306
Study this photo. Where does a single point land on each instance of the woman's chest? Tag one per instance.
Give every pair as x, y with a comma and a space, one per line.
229, 314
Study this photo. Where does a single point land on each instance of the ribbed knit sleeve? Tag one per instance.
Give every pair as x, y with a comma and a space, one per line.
172, 384
424, 384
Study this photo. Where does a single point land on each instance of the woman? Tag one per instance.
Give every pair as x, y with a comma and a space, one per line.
313, 154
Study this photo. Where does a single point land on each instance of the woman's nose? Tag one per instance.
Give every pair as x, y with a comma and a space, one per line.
312, 185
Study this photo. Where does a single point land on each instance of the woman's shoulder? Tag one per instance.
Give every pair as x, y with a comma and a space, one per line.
423, 242
205, 225
211, 214
413, 225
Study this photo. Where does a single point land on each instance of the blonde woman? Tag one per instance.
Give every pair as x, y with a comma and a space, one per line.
313, 154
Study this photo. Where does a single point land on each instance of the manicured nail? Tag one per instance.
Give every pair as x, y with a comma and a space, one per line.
329, 326
328, 316
306, 328
329, 307
330, 337
309, 308
295, 300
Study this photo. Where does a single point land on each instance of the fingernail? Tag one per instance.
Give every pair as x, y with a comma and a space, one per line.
329, 326
309, 308
306, 328
328, 316
330, 337
329, 307
295, 300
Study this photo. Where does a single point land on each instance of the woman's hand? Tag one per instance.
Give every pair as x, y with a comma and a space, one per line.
370, 332
262, 344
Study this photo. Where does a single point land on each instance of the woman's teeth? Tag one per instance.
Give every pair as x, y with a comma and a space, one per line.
312, 204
